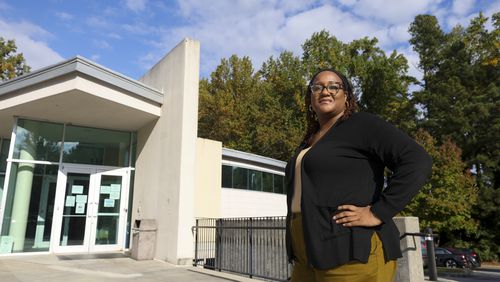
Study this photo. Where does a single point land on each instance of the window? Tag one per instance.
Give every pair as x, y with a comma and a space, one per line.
250, 179
227, 176
279, 184
37, 140
240, 178
267, 181
4, 153
38, 185
86, 145
255, 178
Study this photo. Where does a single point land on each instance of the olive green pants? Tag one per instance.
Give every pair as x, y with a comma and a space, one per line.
376, 270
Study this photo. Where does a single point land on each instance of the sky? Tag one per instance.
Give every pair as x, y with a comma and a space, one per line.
130, 36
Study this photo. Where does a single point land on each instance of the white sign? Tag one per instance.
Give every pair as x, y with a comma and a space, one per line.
81, 199
114, 195
77, 189
109, 203
80, 208
105, 189
115, 188
70, 201
6, 243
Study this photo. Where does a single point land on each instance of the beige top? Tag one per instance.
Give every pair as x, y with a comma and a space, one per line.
297, 182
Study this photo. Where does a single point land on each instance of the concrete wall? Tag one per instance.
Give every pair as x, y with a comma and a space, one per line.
247, 203
410, 267
166, 157
208, 178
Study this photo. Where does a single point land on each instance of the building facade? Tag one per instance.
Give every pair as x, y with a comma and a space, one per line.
86, 151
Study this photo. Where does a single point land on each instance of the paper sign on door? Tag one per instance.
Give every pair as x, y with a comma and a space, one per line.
80, 208
70, 201
109, 203
105, 189
77, 189
81, 199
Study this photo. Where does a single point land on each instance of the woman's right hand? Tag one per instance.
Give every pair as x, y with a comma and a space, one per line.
356, 216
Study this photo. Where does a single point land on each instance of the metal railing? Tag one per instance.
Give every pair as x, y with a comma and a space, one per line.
250, 246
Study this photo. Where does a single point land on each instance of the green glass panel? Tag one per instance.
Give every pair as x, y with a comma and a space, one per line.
240, 178
4, 153
94, 146
227, 176
133, 150
75, 209
279, 184
267, 182
27, 221
109, 210
2, 179
37, 140
255, 178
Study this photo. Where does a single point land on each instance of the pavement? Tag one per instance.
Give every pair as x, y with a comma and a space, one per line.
102, 268
112, 267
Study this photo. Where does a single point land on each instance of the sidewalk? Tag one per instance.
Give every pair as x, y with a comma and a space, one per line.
101, 268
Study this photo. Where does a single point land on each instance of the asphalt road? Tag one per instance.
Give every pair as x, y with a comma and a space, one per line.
477, 275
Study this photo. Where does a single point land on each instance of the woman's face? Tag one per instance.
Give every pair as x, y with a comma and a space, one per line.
325, 103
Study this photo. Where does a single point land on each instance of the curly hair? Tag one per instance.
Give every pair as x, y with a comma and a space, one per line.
351, 107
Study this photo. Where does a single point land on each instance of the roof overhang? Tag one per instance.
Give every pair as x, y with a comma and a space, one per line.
81, 92
252, 159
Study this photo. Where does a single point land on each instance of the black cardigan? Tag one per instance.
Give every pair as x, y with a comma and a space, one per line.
346, 166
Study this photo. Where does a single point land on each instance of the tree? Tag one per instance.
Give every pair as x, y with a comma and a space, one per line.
460, 101
228, 105
283, 110
11, 64
446, 202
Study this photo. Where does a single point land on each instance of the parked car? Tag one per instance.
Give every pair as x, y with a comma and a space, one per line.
472, 256
451, 258
423, 245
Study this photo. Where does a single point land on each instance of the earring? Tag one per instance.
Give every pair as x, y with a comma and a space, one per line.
311, 109
346, 104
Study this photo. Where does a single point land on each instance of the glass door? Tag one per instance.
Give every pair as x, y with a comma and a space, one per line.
110, 211
90, 213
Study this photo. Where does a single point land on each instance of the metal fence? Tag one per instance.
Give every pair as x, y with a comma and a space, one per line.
249, 246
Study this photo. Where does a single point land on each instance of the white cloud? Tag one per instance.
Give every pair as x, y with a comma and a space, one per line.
392, 36
30, 41
4, 6
413, 61
392, 11
102, 44
136, 5
348, 3
95, 57
263, 28
64, 16
295, 6
259, 29
98, 22
462, 7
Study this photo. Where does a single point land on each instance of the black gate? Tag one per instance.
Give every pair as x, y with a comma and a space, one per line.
250, 246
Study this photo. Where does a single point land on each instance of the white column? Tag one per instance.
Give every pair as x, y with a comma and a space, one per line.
20, 206
166, 154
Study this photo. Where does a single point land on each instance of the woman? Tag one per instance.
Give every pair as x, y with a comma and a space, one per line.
339, 222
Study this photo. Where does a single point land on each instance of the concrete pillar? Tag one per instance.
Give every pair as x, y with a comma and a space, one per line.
208, 178
166, 154
21, 203
410, 267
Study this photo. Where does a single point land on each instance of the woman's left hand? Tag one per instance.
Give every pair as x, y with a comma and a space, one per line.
356, 216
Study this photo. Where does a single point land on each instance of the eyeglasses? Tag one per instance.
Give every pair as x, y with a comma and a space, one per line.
331, 88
